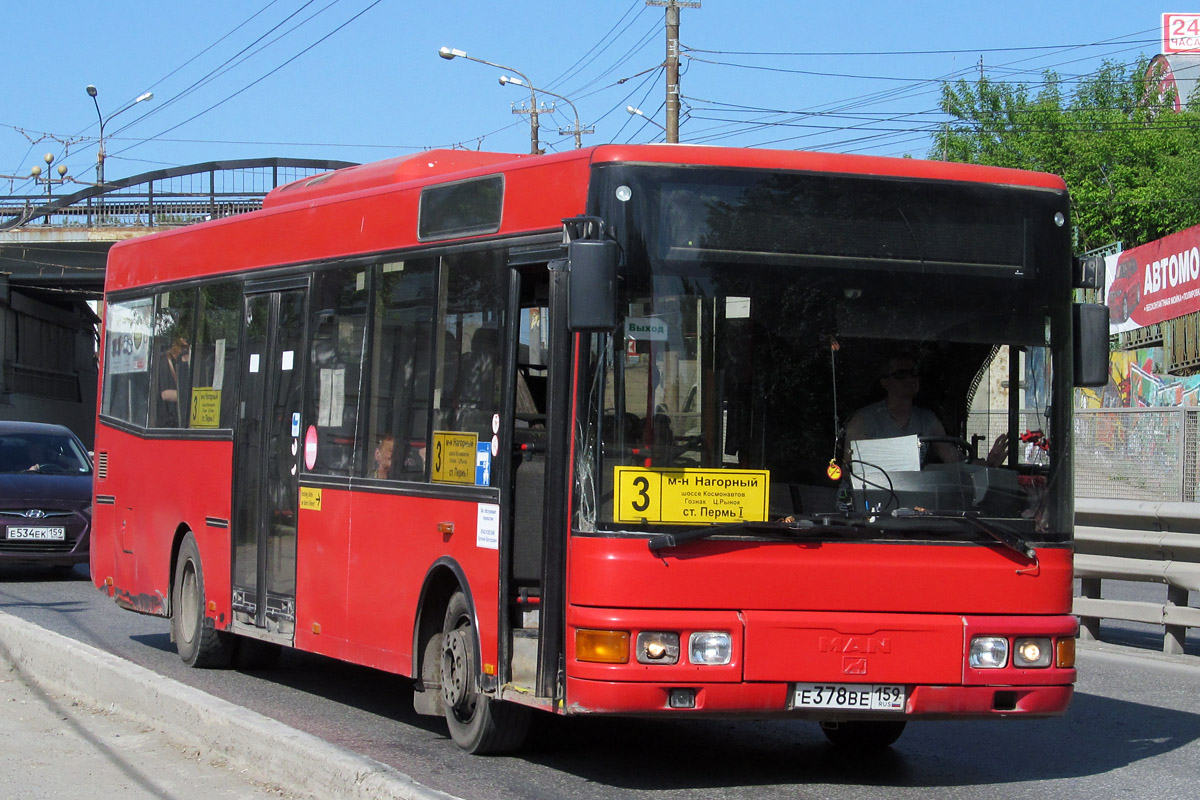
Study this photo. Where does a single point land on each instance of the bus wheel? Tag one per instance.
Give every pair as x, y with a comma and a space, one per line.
863, 735
198, 645
478, 723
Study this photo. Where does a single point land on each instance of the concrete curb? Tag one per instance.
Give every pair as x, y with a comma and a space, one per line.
298, 762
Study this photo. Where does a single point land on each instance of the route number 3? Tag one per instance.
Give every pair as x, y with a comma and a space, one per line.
638, 497
641, 501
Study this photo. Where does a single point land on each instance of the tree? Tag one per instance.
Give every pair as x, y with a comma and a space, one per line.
1133, 168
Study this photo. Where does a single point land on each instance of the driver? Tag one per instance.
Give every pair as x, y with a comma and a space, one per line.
895, 415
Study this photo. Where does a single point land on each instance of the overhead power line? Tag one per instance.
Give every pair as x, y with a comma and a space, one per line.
971, 50
268, 74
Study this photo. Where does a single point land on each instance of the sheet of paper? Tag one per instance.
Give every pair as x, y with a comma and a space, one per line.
325, 399
219, 365
874, 458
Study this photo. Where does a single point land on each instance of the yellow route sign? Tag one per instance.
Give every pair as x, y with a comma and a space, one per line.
454, 457
690, 496
310, 498
206, 408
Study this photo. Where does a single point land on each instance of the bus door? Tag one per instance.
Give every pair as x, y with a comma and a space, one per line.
267, 462
537, 500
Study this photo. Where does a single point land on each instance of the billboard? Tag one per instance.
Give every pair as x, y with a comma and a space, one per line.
1181, 33
1155, 282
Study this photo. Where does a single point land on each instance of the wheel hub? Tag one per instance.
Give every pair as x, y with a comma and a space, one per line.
457, 666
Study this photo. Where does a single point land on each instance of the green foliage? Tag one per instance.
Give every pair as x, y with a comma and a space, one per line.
1133, 169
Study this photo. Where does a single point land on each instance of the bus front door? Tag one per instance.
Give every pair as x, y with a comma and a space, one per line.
539, 354
266, 464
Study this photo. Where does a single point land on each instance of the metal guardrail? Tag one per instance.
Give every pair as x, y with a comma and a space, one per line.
1128, 540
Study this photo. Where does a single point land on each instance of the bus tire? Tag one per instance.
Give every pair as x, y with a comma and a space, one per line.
199, 645
478, 723
863, 735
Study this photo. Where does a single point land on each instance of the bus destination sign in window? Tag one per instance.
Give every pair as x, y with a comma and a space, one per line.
690, 496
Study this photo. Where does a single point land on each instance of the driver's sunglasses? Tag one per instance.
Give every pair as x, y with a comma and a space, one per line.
902, 374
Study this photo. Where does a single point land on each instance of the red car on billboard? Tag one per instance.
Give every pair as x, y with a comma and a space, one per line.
1126, 290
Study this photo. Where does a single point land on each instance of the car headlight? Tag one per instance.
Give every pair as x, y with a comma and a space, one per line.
1032, 652
712, 648
988, 652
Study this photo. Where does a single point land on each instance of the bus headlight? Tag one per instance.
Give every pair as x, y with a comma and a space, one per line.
657, 647
712, 648
1032, 652
988, 652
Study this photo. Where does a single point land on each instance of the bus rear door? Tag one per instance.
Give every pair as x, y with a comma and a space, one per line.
267, 462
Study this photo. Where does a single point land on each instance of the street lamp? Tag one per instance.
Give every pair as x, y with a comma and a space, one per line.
35, 172
505, 80
91, 90
450, 54
637, 112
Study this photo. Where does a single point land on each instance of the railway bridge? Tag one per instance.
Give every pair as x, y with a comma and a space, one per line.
52, 256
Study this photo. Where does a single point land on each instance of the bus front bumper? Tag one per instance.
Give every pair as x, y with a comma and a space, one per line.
777, 699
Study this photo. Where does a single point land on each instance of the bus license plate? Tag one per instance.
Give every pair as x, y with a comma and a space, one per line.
39, 534
850, 696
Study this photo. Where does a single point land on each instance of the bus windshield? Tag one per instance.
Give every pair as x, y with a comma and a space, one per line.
897, 368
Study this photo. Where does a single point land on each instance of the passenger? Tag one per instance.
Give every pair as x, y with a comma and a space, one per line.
172, 368
383, 456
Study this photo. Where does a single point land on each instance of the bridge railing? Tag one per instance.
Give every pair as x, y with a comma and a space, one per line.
1127, 540
138, 211
164, 198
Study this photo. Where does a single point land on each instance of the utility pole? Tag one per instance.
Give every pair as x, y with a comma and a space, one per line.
533, 111
672, 62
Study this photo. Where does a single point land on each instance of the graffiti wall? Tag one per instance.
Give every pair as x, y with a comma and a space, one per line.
1136, 380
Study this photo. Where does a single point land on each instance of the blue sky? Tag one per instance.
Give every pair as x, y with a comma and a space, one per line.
360, 80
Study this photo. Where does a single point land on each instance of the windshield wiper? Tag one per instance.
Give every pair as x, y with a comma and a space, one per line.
790, 529
1009, 539
662, 541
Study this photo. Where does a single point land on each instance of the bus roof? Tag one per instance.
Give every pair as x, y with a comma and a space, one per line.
417, 167
373, 207
438, 164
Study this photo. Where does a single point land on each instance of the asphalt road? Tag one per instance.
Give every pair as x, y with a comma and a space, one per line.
1134, 728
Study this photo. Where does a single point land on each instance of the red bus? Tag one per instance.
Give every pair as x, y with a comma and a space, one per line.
567, 433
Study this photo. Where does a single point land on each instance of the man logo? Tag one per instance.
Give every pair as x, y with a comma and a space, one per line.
854, 644
854, 665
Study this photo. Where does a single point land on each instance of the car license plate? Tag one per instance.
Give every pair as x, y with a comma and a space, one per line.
24, 533
850, 696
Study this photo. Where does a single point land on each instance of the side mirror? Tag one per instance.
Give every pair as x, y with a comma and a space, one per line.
592, 298
1090, 353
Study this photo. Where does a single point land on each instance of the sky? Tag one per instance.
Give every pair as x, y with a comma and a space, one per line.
360, 80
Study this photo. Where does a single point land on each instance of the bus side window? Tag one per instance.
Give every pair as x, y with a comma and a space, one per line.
474, 312
171, 358
400, 374
214, 356
339, 325
127, 330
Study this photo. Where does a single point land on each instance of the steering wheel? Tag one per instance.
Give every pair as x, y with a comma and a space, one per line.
963, 447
